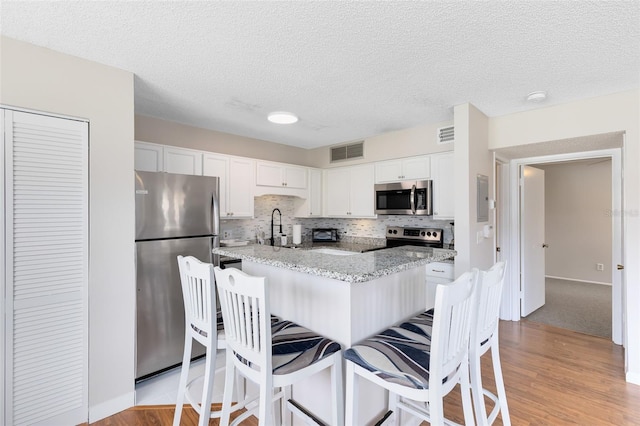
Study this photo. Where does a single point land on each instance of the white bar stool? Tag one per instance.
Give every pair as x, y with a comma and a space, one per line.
272, 354
484, 336
203, 323
421, 360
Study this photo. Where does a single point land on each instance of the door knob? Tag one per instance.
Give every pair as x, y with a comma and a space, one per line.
620, 267
545, 245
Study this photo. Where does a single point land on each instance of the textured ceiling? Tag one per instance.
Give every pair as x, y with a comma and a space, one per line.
349, 69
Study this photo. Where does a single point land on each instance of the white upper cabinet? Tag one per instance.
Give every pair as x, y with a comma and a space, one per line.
280, 175
151, 157
241, 188
280, 179
349, 191
315, 192
218, 165
148, 157
411, 168
443, 185
236, 183
182, 160
311, 206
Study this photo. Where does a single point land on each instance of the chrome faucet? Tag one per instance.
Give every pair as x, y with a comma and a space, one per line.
272, 213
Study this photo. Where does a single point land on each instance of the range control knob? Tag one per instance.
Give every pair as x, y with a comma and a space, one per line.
435, 235
390, 231
428, 233
395, 231
422, 233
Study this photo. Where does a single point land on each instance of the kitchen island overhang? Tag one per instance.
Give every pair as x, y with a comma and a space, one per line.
345, 297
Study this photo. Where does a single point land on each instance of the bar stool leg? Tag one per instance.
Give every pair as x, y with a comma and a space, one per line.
351, 402
497, 371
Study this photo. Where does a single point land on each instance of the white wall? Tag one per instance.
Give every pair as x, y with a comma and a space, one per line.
149, 129
41, 79
418, 140
613, 113
578, 220
471, 158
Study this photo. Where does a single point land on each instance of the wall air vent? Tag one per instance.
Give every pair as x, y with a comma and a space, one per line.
445, 134
347, 152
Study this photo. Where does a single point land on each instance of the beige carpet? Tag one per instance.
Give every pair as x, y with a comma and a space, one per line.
576, 306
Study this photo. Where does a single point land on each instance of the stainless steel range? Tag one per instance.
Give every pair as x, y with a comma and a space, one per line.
407, 236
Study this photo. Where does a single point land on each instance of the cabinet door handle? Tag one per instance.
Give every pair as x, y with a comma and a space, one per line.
438, 270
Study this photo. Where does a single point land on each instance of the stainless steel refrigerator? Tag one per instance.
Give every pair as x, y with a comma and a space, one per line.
175, 215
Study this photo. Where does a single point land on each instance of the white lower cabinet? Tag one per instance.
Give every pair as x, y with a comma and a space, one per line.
437, 273
349, 191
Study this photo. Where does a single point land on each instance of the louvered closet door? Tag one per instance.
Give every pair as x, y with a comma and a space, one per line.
46, 260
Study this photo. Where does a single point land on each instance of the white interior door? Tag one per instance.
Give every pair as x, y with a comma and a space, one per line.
532, 239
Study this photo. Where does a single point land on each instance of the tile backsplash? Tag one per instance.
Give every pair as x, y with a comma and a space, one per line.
349, 228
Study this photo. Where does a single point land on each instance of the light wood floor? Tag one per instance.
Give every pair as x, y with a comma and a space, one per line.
553, 377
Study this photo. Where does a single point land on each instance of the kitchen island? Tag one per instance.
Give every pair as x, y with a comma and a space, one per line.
344, 296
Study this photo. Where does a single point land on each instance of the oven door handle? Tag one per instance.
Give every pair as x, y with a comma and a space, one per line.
413, 199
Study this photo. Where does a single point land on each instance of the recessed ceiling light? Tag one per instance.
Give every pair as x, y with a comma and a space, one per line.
537, 96
282, 117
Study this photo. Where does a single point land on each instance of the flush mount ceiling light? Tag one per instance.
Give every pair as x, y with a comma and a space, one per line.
537, 96
282, 117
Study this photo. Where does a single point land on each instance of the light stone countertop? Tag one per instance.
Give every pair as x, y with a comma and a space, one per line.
359, 267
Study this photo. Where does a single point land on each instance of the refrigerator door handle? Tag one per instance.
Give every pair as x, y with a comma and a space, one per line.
215, 218
215, 243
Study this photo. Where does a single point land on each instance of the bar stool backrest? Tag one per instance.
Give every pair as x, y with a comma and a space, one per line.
490, 285
199, 295
455, 311
244, 300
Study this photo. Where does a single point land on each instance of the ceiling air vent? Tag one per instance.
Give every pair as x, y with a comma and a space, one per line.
347, 152
445, 134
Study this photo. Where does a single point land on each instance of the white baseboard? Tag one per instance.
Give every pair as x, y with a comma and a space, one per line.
633, 378
580, 281
111, 407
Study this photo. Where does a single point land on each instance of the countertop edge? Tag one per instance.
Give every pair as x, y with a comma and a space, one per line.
347, 277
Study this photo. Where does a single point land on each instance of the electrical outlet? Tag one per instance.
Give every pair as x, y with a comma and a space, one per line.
226, 234
599, 267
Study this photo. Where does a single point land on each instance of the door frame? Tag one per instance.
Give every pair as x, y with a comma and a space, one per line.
511, 303
502, 221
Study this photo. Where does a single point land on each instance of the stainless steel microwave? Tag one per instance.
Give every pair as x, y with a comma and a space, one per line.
409, 197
